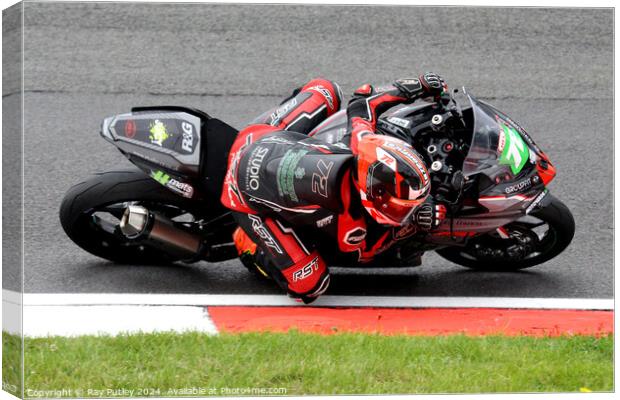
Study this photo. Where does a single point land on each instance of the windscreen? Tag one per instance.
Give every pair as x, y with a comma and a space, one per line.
497, 145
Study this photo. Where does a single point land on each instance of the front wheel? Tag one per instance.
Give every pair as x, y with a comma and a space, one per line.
528, 241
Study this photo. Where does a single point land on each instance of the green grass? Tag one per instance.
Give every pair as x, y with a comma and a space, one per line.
11, 363
314, 364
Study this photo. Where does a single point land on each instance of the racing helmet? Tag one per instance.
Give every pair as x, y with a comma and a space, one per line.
391, 177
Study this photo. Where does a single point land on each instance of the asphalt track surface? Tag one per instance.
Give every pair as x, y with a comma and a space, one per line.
551, 70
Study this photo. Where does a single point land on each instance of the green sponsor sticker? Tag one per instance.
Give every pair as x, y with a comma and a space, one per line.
159, 133
160, 177
287, 171
515, 152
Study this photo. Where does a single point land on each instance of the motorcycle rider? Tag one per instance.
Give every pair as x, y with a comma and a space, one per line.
302, 203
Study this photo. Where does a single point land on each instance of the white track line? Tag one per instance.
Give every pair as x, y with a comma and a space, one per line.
112, 320
92, 313
75, 299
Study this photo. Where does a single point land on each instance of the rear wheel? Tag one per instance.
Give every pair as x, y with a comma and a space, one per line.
90, 214
528, 241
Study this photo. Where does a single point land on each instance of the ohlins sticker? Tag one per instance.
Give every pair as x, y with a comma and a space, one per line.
519, 186
355, 236
286, 172
319, 179
307, 270
187, 143
513, 150
263, 233
326, 93
253, 168
282, 111
158, 133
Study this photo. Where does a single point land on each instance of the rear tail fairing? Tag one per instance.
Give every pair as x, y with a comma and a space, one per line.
183, 149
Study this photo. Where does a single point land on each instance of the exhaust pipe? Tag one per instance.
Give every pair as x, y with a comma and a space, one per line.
138, 223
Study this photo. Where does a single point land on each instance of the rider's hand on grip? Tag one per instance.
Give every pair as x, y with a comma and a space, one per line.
433, 84
429, 216
428, 84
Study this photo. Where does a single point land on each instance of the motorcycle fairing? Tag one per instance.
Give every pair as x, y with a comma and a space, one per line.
182, 148
516, 168
167, 138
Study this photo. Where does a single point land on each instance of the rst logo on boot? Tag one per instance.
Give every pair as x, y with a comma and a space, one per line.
307, 270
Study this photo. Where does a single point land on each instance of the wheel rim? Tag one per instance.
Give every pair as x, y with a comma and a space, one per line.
529, 238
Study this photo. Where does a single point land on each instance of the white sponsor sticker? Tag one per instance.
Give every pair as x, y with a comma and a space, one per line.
403, 123
536, 201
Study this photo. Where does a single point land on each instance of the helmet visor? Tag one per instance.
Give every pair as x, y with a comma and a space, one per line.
397, 210
382, 180
395, 195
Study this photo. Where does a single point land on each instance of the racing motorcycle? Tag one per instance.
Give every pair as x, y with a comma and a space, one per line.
484, 167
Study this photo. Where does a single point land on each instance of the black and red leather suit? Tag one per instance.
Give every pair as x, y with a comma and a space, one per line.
294, 196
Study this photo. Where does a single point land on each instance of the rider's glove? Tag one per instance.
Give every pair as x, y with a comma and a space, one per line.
429, 216
433, 84
428, 84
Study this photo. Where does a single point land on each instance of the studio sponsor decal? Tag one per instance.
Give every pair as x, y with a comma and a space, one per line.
255, 162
